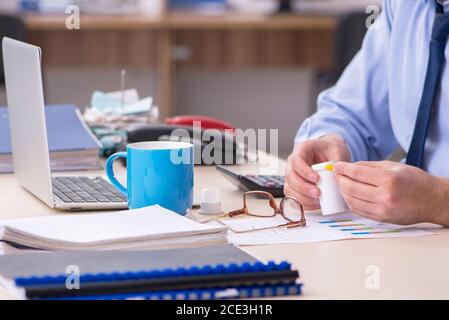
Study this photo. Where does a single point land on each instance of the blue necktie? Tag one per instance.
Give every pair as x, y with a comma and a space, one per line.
438, 42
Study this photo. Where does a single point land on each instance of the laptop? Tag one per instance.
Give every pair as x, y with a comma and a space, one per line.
30, 153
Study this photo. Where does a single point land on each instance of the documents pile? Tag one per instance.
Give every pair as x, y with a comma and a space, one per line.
72, 145
142, 229
118, 110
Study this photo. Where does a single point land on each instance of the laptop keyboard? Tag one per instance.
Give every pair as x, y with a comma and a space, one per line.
86, 190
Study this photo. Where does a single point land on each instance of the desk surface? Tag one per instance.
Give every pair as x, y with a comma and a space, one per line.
409, 268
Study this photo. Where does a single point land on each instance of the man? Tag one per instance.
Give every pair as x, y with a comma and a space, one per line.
394, 93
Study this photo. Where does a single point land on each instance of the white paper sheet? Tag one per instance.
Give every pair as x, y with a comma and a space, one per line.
117, 227
319, 228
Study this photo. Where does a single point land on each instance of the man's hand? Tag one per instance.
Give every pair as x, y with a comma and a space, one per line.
300, 180
393, 192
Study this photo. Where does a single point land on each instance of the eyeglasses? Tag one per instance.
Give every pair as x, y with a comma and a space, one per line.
261, 204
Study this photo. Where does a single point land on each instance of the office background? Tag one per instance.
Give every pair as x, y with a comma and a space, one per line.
237, 60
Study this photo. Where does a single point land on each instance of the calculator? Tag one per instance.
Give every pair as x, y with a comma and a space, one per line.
273, 184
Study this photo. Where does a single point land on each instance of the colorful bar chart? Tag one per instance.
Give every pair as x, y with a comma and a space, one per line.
354, 227
376, 232
335, 221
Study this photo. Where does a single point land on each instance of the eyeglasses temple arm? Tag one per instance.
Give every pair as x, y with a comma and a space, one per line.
236, 213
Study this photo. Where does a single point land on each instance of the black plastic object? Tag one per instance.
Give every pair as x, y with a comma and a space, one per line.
229, 153
273, 184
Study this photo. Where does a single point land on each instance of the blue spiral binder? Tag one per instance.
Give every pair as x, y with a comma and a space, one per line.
201, 294
158, 274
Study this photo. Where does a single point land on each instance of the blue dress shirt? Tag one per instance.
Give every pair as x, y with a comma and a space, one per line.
374, 104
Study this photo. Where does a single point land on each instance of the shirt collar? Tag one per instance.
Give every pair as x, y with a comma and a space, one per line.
445, 4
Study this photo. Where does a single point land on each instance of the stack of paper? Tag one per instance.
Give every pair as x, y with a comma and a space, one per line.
142, 229
7, 249
120, 110
72, 145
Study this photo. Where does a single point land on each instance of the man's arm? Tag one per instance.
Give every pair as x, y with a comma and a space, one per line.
353, 118
357, 108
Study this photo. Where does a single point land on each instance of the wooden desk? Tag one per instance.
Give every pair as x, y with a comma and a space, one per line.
227, 41
410, 268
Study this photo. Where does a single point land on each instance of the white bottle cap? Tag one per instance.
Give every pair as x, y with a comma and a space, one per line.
331, 200
210, 201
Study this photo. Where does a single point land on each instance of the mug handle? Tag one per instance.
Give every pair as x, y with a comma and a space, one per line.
110, 171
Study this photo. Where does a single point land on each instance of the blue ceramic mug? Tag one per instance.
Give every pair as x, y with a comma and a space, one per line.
158, 172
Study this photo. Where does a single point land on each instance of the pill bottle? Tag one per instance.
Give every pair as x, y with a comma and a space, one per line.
210, 201
331, 200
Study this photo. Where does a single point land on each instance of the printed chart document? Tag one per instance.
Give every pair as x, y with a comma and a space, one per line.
319, 228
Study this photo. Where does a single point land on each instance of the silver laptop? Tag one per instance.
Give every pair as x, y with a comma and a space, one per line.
31, 158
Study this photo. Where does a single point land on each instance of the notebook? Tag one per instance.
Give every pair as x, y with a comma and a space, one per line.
71, 143
134, 273
147, 228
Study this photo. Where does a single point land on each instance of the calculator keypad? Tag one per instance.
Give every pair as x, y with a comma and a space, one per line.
267, 181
